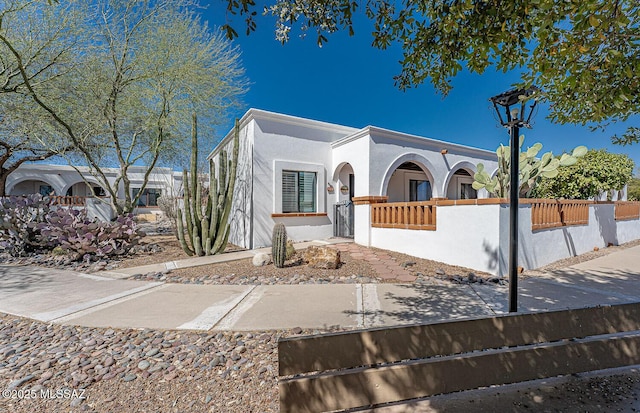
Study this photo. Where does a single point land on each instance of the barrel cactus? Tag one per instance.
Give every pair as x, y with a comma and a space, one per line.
532, 168
279, 245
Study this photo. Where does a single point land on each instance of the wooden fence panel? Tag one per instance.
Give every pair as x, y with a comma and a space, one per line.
625, 210
552, 213
404, 215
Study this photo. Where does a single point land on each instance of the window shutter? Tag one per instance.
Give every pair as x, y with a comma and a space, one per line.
307, 192
289, 191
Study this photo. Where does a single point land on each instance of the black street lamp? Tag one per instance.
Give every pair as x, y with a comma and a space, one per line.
514, 103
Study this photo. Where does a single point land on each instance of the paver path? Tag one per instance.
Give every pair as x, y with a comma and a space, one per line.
384, 264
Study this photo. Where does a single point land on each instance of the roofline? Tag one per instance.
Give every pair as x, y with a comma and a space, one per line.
259, 114
51, 167
406, 137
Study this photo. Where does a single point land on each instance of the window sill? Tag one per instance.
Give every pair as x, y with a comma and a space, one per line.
299, 214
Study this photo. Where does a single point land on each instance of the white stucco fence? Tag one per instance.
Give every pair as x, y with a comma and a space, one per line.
477, 237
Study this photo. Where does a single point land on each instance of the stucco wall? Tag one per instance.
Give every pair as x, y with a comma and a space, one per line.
279, 146
388, 152
477, 237
542, 247
466, 235
240, 231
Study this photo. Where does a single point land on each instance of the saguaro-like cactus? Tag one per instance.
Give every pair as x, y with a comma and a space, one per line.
531, 169
279, 245
207, 226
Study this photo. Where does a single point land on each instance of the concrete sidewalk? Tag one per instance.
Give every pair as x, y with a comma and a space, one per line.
91, 300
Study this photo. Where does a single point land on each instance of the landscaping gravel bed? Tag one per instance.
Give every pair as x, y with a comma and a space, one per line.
136, 370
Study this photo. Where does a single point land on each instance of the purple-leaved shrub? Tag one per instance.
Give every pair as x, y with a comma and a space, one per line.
19, 220
74, 232
29, 224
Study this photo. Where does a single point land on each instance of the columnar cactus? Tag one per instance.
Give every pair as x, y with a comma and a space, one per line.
531, 169
207, 226
279, 245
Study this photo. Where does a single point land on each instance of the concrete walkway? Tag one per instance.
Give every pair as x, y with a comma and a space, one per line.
93, 300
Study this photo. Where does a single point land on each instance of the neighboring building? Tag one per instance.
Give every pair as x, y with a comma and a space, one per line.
302, 172
71, 188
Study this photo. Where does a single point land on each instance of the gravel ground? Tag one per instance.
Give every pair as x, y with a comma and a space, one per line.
53, 368
136, 370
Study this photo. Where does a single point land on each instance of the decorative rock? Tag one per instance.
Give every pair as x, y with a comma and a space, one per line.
322, 257
143, 365
440, 271
261, 259
130, 377
296, 330
472, 277
407, 264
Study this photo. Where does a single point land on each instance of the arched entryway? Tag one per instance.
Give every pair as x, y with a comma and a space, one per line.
32, 186
459, 182
410, 181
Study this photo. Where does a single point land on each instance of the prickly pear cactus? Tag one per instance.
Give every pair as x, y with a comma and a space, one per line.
531, 169
19, 218
279, 245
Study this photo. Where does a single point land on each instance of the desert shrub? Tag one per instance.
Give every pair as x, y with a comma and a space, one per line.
169, 207
72, 231
19, 220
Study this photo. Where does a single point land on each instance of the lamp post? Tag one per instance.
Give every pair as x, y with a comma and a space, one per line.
514, 103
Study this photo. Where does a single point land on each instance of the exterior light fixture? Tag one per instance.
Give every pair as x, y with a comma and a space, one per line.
518, 106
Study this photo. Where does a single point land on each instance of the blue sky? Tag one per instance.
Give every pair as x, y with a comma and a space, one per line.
349, 82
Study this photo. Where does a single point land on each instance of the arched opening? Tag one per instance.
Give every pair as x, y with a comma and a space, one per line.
32, 186
410, 182
85, 189
460, 185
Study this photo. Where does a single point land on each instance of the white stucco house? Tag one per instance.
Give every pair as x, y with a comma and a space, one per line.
76, 187
300, 171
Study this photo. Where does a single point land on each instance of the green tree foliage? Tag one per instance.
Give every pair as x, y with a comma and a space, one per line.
633, 190
598, 171
44, 55
583, 54
137, 72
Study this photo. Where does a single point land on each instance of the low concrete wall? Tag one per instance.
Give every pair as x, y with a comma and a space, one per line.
477, 237
542, 247
466, 235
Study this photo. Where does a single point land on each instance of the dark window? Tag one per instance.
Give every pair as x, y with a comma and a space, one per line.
149, 197
99, 191
46, 190
419, 190
467, 191
298, 191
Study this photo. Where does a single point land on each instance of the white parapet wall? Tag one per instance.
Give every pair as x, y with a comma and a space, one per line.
541, 247
465, 235
477, 236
